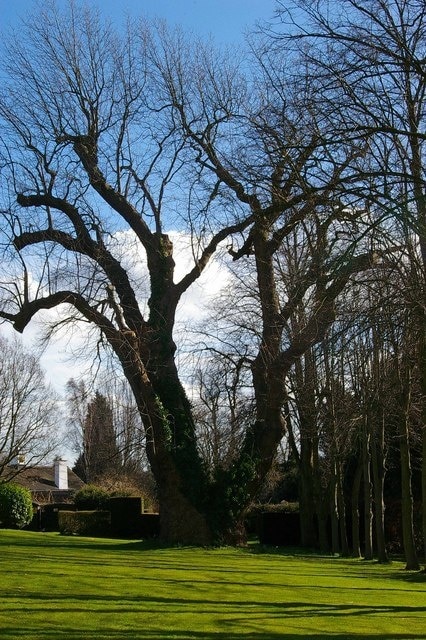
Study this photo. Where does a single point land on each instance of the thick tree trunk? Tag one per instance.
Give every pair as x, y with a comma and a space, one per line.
180, 521
306, 494
182, 484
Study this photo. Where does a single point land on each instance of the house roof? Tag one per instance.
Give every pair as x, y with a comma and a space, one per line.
38, 479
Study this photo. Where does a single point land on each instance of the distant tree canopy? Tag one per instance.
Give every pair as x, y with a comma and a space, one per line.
28, 410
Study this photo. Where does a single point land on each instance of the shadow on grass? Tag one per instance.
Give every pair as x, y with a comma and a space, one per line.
352, 563
413, 577
123, 634
248, 609
76, 542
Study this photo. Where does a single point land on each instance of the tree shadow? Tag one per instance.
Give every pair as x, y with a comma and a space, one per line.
141, 634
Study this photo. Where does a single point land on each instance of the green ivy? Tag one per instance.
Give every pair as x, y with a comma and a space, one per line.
230, 495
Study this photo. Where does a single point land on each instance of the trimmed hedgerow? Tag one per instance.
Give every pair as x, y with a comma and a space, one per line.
16, 509
84, 523
281, 507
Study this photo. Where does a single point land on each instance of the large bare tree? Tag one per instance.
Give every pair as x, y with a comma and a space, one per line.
111, 140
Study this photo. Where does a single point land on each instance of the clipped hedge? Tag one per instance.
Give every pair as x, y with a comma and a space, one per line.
125, 515
281, 507
16, 508
84, 523
275, 524
128, 519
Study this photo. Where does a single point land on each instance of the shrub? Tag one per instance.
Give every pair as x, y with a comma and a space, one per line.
84, 523
281, 507
16, 509
91, 497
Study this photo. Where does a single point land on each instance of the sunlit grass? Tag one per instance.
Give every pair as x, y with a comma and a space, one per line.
74, 588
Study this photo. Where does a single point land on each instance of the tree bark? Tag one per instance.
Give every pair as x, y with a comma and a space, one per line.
356, 484
368, 510
378, 468
334, 514
422, 375
341, 508
411, 560
306, 500
304, 372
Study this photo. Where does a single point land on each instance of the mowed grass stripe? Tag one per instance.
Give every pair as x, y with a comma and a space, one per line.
57, 587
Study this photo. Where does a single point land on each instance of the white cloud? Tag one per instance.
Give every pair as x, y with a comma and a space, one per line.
68, 355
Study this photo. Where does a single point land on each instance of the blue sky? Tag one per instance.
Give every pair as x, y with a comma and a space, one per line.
226, 20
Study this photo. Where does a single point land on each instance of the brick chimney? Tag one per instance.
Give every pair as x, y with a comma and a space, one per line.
61, 473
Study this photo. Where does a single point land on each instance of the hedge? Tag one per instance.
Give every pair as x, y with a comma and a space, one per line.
85, 523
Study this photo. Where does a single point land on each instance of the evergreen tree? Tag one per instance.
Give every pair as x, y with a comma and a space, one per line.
100, 450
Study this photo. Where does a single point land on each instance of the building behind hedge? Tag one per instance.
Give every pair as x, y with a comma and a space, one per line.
52, 484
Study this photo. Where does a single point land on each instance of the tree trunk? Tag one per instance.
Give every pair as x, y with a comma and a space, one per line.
321, 505
304, 371
424, 475
335, 547
411, 559
422, 369
344, 545
180, 521
306, 496
378, 467
368, 510
182, 485
304, 460
356, 546
417, 172
322, 512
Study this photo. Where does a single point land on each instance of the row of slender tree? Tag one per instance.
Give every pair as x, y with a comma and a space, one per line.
352, 408
301, 162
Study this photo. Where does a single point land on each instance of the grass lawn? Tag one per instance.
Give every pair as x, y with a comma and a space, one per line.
74, 588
